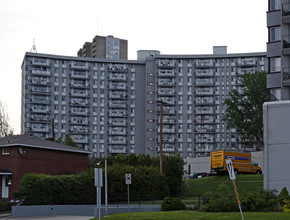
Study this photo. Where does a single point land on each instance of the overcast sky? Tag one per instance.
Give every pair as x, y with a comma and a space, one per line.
171, 26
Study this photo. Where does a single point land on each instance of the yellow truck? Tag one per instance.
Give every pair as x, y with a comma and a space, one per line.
241, 162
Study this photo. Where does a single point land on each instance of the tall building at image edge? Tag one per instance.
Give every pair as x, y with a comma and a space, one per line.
278, 49
105, 47
112, 106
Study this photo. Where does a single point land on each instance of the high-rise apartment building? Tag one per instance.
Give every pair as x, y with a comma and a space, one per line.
112, 106
95, 101
278, 49
105, 47
193, 89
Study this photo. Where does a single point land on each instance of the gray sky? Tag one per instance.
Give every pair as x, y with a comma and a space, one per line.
172, 27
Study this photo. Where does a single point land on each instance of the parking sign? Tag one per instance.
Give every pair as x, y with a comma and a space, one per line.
128, 178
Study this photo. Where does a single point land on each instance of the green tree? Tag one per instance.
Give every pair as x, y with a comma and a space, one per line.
69, 141
244, 109
173, 170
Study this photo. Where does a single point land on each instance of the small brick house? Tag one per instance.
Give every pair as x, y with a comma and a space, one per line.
22, 154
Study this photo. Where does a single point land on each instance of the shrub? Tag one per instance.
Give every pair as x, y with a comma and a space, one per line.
222, 201
284, 195
40, 189
260, 200
172, 204
5, 206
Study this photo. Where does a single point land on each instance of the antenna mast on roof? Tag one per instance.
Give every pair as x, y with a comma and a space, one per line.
33, 49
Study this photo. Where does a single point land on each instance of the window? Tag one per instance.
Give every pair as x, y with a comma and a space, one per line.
275, 5
275, 64
275, 33
5, 151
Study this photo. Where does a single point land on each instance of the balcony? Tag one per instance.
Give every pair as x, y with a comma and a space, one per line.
286, 13
204, 91
117, 95
117, 140
117, 113
40, 62
117, 149
79, 83
286, 45
79, 65
40, 129
117, 68
43, 118
204, 72
117, 131
121, 86
166, 63
117, 122
40, 72
117, 77
79, 121
204, 63
82, 93
204, 101
40, 100
166, 130
39, 90
79, 102
79, 74
247, 62
286, 76
204, 129
204, 82
79, 131
166, 91
168, 120
166, 73
40, 81
117, 104
166, 83
79, 111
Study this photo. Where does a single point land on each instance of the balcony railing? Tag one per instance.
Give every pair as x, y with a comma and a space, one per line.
40, 72
286, 9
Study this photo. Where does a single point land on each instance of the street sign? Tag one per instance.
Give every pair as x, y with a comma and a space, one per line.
128, 178
98, 177
231, 169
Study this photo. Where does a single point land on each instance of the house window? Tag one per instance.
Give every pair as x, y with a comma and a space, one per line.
275, 33
275, 5
5, 151
275, 64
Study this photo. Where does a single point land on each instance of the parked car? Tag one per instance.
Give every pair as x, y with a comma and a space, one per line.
197, 175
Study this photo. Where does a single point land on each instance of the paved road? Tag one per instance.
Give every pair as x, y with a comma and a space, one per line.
53, 217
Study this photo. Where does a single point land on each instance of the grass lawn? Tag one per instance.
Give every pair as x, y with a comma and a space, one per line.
244, 182
186, 215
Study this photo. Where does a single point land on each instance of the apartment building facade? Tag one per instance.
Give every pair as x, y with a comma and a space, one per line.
112, 106
278, 49
107, 47
95, 101
192, 89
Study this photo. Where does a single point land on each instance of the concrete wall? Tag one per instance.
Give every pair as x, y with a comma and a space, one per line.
43, 210
78, 210
276, 145
197, 165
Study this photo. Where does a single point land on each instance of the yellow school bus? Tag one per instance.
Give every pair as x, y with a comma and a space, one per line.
241, 162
